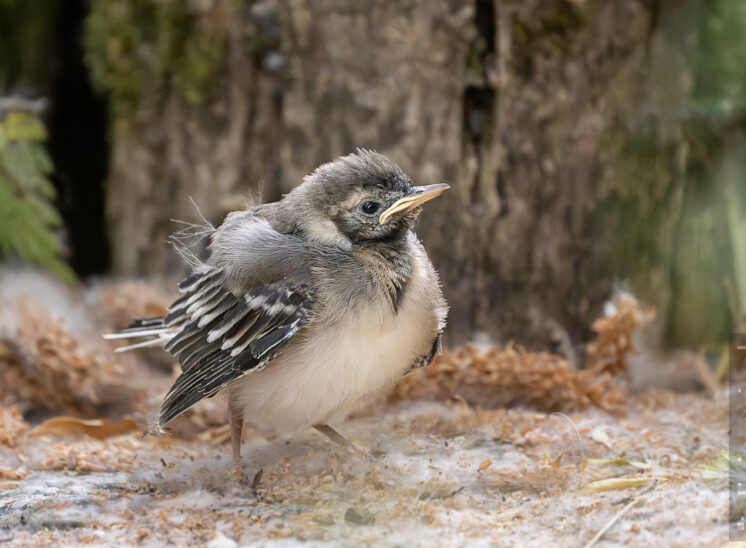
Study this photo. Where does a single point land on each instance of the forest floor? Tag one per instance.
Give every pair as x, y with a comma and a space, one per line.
486, 447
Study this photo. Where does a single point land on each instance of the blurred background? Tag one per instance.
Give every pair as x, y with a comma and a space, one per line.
592, 249
590, 145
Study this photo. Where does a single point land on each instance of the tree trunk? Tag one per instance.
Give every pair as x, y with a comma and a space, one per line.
516, 103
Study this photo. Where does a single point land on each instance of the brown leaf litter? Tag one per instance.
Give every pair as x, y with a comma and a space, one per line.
49, 368
497, 377
12, 425
501, 377
615, 335
117, 304
436, 475
455, 470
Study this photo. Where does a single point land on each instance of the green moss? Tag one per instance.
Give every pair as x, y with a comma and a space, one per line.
137, 49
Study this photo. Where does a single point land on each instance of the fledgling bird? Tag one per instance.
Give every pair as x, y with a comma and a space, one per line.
308, 307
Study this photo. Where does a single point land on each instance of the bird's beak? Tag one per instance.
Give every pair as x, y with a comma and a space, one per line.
421, 195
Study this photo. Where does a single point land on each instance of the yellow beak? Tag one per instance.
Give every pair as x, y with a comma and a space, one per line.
422, 194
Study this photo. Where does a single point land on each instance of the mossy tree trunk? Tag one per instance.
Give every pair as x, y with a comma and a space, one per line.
520, 105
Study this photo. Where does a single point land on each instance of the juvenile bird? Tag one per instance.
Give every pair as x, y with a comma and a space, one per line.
308, 307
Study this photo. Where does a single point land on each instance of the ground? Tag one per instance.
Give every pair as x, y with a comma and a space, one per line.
424, 474
458, 455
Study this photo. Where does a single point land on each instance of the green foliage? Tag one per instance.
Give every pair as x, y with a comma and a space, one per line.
27, 217
140, 48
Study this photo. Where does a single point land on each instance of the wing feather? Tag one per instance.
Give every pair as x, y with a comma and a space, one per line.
223, 337
218, 336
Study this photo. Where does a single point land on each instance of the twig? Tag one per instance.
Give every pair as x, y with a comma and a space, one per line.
577, 433
608, 526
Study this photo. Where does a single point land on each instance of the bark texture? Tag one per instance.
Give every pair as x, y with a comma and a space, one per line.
515, 103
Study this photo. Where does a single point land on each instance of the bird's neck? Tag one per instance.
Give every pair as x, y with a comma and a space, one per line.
392, 254
392, 243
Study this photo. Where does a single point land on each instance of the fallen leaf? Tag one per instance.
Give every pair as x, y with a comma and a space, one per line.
96, 428
615, 483
621, 461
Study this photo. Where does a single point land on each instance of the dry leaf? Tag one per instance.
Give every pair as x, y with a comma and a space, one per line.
620, 461
96, 428
615, 483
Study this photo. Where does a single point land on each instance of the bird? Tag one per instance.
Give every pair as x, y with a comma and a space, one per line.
306, 308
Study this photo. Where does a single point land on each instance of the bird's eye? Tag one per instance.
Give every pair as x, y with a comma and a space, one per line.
369, 208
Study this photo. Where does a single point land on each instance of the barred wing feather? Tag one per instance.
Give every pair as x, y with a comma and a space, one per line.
218, 336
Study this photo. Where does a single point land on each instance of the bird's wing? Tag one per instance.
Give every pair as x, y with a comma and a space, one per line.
223, 336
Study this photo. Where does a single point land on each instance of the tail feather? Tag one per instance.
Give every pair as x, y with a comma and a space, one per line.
135, 333
153, 328
146, 322
159, 340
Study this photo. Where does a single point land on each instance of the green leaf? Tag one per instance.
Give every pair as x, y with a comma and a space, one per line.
24, 126
28, 218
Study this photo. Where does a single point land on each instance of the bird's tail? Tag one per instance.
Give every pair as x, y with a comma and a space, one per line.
149, 331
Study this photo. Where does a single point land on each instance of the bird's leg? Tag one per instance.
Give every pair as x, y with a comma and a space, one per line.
235, 418
333, 435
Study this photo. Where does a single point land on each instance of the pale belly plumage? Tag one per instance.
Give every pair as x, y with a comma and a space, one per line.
332, 370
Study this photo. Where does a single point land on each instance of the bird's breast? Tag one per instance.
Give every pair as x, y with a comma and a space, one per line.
333, 368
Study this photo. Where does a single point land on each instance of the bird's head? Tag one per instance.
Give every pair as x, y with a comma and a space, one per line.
359, 198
